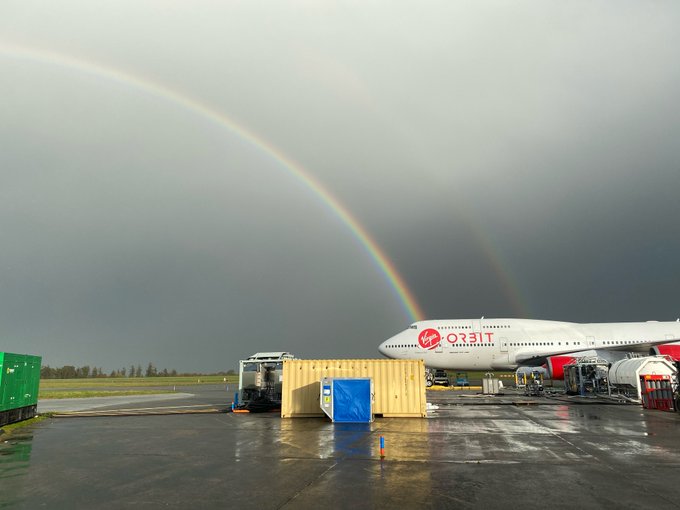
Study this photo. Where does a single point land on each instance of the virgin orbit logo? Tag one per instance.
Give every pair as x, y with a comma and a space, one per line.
429, 338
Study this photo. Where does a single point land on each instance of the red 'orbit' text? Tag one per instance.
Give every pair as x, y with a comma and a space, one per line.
469, 338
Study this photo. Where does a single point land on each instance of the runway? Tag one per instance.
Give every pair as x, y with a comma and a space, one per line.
85, 404
478, 455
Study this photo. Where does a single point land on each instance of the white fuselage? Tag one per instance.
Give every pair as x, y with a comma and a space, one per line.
505, 344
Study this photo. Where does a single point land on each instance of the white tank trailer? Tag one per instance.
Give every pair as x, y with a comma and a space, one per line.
625, 374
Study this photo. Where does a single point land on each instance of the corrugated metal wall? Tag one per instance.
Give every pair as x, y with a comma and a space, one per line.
399, 385
19, 380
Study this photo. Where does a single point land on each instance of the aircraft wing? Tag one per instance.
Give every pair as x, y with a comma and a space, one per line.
536, 358
533, 359
641, 348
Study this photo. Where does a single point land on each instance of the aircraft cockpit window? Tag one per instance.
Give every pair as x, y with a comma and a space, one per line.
413, 326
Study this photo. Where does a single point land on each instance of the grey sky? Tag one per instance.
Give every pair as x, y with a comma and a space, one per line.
512, 159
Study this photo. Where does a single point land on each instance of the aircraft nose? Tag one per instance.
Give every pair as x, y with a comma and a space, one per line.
387, 347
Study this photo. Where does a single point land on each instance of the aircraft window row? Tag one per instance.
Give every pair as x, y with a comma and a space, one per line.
524, 344
403, 346
618, 342
487, 326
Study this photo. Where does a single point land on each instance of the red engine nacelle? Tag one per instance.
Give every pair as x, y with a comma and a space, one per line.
672, 350
556, 365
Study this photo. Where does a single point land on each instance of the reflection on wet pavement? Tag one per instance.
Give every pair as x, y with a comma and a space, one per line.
467, 456
15, 456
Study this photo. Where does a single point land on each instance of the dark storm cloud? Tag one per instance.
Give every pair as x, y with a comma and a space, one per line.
510, 159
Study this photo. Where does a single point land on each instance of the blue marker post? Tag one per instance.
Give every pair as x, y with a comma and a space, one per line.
382, 447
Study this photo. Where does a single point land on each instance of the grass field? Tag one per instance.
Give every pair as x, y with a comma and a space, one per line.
135, 382
169, 383
122, 386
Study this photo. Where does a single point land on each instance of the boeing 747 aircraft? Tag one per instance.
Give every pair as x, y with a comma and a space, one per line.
506, 344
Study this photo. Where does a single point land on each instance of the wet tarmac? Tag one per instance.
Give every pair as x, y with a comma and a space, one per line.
83, 404
471, 453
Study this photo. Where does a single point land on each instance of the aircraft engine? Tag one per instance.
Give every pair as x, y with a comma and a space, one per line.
672, 350
556, 365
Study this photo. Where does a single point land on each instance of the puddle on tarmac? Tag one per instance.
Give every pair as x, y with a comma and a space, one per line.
15, 458
15, 454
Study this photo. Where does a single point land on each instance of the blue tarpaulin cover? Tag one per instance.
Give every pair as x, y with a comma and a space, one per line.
352, 400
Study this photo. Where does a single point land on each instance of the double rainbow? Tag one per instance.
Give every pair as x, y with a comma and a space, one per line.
396, 282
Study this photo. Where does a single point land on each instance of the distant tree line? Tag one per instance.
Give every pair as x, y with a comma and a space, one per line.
84, 372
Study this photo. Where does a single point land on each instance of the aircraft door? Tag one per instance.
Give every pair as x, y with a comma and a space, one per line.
440, 346
503, 342
456, 338
443, 345
471, 327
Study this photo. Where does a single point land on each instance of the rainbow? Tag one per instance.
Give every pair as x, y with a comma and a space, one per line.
405, 297
509, 285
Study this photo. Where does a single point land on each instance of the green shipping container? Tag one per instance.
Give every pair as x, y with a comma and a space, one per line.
19, 385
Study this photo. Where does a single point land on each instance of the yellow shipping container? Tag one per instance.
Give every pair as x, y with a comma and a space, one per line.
399, 385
